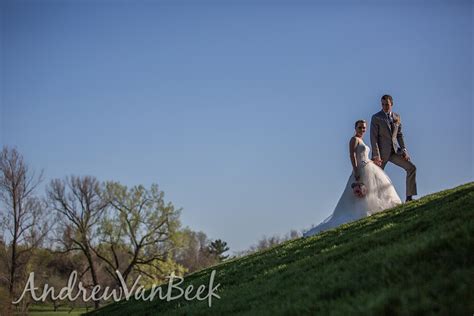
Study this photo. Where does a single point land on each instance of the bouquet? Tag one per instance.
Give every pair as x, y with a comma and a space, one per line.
359, 189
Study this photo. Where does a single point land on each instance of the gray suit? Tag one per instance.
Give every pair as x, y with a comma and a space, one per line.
387, 142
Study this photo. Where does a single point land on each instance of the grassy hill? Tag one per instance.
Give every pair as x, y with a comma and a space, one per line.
417, 258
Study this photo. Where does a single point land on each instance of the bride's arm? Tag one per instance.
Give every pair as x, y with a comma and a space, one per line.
352, 154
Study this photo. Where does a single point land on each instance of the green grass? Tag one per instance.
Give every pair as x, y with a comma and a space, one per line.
75, 312
414, 259
47, 310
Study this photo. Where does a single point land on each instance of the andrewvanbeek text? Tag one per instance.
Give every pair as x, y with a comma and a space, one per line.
139, 292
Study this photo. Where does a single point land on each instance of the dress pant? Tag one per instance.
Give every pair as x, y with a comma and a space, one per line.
409, 167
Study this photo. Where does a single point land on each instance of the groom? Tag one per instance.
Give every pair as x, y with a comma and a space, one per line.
387, 142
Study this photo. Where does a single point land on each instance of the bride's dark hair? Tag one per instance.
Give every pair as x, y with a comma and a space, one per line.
359, 121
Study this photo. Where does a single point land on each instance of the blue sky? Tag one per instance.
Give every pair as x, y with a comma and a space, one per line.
240, 112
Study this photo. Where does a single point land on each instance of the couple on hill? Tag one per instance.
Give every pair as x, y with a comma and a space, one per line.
369, 189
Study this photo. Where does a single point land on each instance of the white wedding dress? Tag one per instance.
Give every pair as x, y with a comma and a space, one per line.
380, 195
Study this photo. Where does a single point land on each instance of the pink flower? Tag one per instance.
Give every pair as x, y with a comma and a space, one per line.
359, 189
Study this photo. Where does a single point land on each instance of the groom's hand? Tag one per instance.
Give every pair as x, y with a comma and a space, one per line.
377, 161
406, 156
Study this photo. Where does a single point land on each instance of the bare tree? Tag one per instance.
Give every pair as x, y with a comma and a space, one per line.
137, 232
80, 204
269, 242
22, 216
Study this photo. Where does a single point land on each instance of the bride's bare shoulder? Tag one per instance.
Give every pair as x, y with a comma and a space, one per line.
354, 141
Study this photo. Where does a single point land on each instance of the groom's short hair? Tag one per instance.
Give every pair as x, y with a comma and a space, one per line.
387, 97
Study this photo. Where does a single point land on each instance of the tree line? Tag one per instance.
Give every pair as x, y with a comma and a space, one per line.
90, 226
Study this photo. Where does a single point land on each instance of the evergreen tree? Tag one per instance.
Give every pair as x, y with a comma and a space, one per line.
217, 248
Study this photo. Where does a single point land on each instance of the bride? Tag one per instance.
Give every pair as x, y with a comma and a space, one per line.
380, 193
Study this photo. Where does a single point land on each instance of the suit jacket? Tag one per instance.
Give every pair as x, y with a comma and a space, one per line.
385, 137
